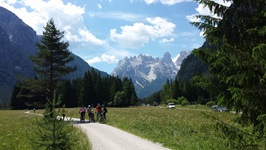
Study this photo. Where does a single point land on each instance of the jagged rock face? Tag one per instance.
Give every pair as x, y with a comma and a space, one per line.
147, 73
181, 57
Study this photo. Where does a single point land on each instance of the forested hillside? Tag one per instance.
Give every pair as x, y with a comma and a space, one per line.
88, 90
18, 44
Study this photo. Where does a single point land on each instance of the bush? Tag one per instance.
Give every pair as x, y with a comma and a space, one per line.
120, 99
180, 99
183, 101
210, 103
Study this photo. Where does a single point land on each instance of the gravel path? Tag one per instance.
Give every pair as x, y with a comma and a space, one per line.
105, 137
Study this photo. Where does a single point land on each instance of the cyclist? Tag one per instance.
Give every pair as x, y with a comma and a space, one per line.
98, 111
90, 114
82, 112
104, 111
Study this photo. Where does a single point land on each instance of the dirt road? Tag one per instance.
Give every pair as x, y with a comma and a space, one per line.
105, 137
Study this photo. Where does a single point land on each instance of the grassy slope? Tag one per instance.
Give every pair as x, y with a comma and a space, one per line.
15, 126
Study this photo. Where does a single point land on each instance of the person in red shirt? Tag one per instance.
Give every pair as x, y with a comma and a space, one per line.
98, 111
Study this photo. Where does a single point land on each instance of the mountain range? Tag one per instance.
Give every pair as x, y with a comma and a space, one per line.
148, 74
17, 44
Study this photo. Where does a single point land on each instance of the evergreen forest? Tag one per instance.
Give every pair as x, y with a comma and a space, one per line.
88, 90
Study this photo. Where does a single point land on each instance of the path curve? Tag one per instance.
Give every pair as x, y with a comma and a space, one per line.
105, 137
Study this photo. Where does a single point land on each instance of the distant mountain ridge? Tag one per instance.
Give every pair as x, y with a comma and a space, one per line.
181, 56
148, 74
17, 44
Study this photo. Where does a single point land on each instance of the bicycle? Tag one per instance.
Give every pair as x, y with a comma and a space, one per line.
82, 117
91, 117
101, 118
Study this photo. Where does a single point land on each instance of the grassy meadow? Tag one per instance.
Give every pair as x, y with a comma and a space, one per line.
16, 126
182, 128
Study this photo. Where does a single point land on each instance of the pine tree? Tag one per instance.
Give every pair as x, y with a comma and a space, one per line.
237, 65
51, 61
52, 133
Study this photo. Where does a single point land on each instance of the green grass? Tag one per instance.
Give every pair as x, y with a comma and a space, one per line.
16, 126
182, 128
186, 128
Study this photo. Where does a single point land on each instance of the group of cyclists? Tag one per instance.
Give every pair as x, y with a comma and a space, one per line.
100, 113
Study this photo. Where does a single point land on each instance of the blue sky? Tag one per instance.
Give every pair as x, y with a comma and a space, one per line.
102, 32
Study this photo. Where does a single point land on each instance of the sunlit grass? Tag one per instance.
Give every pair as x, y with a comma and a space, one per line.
184, 128
16, 126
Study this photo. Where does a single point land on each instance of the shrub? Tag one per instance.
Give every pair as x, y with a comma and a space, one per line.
120, 99
210, 103
180, 99
183, 101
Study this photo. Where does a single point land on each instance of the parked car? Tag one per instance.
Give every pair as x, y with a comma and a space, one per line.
219, 108
214, 107
171, 105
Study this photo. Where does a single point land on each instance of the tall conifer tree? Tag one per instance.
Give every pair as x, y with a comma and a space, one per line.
238, 65
52, 59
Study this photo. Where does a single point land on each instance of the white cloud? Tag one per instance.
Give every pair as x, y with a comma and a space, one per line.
162, 27
87, 36
193, 18
139, 34
104, 58
202, 10
94, 60
11, 1
120, 15
166, 2
164, 40
109, 58
36, 13
150, 1
99, 6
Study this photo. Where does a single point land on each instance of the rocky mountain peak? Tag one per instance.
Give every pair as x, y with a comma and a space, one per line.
147, 73
181, 57
167, 58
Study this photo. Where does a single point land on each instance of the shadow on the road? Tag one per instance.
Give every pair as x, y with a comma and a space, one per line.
79, 122
69, 119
